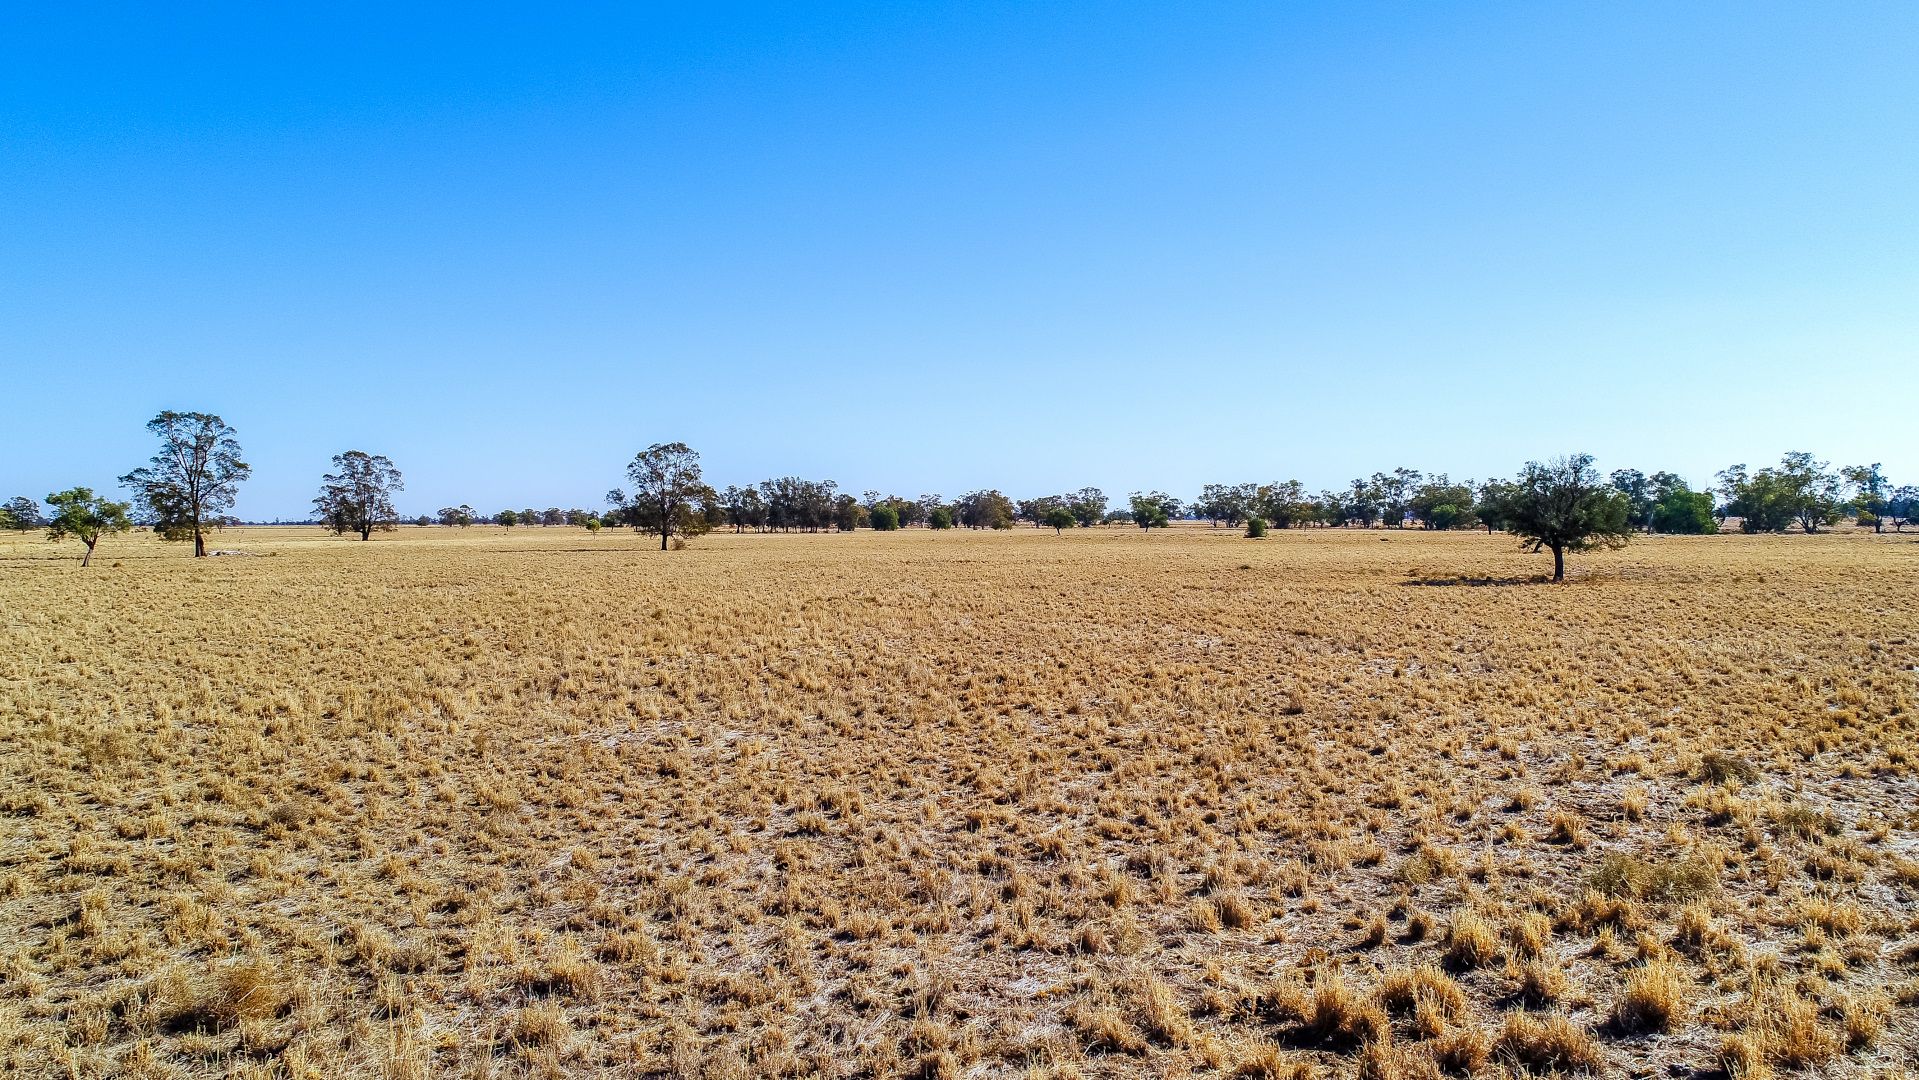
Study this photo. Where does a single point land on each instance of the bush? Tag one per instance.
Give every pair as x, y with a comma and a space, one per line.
940, 518
1255, 527
1718, 768
1685, 512
884, 518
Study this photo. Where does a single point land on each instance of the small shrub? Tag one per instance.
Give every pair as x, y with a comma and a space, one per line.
1255, 528
1720, 768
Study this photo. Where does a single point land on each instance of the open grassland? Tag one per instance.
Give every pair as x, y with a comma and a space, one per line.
458, 803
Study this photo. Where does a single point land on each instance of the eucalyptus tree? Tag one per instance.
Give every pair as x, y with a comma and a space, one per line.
21, 514
667, 489
194, 478
1088, 505
1870, 492
358, 496
1281, 504
1152, 509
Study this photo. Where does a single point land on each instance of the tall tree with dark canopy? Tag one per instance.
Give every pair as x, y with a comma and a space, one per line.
192, 480
1871, 487
1903, 506
1152, 510
1640, 497
79, 513
358, 496
1564, 505
666, 486
21, 514
1088, 505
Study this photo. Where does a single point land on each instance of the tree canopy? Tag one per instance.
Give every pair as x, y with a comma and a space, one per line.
1799, 490
667, 490
358, 496
1563, 505
21, 514
79, 513
1153, 509
192, 481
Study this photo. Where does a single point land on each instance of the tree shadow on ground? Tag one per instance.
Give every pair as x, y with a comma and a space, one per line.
1478, 582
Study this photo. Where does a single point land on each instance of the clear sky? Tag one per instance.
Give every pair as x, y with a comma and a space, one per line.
931, 247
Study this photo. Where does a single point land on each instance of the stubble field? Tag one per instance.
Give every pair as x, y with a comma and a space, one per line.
460, 803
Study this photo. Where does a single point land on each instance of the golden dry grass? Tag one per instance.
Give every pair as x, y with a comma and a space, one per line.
473, 804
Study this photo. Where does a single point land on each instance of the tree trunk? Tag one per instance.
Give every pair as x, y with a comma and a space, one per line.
87, 559
199, 542
1559, 563
366, 531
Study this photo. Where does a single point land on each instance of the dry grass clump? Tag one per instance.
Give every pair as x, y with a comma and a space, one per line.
459, 803
1654, 999
1470, 941
1552, 1043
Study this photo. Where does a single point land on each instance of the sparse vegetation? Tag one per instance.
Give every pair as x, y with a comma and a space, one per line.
468, 801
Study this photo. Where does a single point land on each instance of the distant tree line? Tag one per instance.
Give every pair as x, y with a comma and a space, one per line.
1564, 505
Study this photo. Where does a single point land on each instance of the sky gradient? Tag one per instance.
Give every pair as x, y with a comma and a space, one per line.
935, 247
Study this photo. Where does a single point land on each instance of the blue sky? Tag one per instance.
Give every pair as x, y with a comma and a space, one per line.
932, 247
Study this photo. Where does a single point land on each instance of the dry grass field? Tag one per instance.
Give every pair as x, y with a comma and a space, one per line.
459, 803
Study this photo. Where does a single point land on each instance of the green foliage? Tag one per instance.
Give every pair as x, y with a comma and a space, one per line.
885, 517
1228, 503
1060, 518
21, 514
1903, 507
1152, 510
1493, 506
668, 494
1563, 506
78, 513
1441, 504
1255, 527
1638, 490
1283, 505
940, 518
1797, 490
848, 514
1088, 505
984, 510
1871, 493
358, 496
1684, 512
196, 476
507, 518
